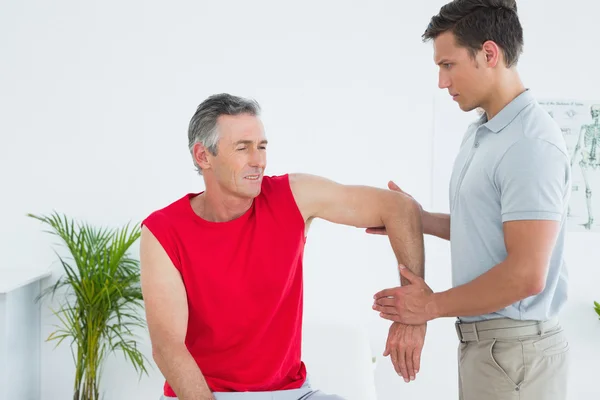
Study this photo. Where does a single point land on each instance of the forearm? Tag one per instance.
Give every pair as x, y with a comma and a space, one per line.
436, 224
498, 288
181, 371
402, 221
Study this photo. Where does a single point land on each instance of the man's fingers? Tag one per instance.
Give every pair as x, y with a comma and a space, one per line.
417, 358
386, 293
401, 355
386, 352
393, 186
408, 274
386, 302
385, 309
410, 364
394, 357
376, 231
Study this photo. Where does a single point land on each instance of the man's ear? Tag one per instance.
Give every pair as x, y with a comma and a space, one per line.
202, 156
492, 53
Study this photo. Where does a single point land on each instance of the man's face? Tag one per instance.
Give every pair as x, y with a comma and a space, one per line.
466, 79
241, 156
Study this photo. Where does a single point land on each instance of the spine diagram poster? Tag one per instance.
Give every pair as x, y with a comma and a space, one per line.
580, 125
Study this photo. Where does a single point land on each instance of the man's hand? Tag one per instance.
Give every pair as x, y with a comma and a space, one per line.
404, 345
395, 188
409, 304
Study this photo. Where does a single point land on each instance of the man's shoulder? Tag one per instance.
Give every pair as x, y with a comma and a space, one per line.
275, 179
275, 183
171, 210
534, 131
538, 124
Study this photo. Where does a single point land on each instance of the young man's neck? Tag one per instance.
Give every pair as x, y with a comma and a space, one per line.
507, 88
217, 206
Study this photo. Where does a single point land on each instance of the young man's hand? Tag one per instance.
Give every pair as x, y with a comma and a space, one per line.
411, 304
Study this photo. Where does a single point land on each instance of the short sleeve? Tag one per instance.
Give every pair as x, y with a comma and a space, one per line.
159, 225
533, 178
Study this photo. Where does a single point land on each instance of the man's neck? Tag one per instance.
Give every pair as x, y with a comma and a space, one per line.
216, 206
507, 88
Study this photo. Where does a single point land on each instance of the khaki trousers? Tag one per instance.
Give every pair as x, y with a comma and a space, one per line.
507, 359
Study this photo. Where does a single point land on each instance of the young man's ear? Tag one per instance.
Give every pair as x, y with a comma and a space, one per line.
492, 53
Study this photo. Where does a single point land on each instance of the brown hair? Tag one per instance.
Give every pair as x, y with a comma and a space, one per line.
473, 22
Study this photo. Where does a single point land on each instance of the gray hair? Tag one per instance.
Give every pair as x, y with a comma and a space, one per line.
203, 125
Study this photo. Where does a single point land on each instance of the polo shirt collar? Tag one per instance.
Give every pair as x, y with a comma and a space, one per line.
508, 113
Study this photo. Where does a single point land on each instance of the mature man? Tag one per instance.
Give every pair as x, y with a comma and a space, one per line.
222, 269
509, 194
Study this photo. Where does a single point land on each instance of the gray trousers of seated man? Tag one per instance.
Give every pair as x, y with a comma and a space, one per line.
513, 360
306, 392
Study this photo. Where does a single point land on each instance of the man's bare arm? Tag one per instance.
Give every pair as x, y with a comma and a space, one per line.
167, 316
436, 224
364, 206
522, 274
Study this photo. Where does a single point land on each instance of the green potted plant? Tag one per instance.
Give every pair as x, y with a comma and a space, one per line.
597, 308
103, 301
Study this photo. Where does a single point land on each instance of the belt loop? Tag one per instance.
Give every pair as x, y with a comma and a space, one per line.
540, 325
458, 331
475, 332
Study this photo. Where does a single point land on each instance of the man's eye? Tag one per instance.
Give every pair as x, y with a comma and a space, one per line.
262, 147
241, 148
447, 66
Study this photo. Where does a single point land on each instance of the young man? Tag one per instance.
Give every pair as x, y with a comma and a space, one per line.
222, 269
509, 194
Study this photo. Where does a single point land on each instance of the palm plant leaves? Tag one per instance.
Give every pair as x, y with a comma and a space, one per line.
102, 306
597, 308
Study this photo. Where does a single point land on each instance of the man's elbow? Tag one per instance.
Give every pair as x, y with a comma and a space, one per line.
534, 283
162, 349
536, 287
157, 353
402, 204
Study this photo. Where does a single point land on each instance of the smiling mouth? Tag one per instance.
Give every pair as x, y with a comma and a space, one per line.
253, 177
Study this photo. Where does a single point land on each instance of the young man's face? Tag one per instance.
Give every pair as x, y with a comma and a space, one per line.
466, 79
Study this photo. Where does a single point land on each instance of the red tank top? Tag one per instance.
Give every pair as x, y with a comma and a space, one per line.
243, 280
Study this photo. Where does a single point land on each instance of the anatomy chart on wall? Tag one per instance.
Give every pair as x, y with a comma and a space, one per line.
580, 125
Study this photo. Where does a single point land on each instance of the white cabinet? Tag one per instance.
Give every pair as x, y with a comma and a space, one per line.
20, 339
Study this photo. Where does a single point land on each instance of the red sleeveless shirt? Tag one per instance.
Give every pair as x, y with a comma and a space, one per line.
243, 280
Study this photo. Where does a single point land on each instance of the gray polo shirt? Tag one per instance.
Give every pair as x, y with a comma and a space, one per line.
513, 167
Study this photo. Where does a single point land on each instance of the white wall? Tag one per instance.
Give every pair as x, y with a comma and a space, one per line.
96, 97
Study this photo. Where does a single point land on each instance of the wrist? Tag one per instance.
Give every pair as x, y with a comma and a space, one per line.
435, 307
426, 221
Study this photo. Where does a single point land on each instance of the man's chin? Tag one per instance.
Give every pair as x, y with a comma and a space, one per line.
251, 192
466, 107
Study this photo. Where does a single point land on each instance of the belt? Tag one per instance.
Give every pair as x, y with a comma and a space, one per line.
502, 328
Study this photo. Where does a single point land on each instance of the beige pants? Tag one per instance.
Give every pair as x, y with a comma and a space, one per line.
506, 359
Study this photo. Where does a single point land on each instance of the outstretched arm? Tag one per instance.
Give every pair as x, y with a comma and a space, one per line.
400, 215
362, 207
